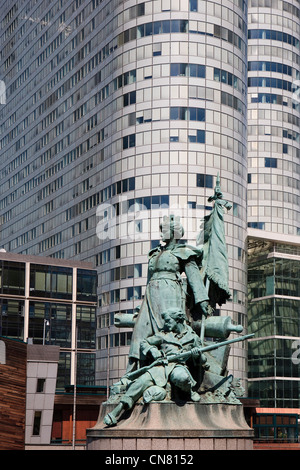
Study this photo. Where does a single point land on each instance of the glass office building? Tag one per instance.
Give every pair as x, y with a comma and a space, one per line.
46, 301
116, 113
274, 116
274, 307
274, 201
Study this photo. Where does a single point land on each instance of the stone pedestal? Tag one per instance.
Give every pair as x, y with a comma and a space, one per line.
163, 426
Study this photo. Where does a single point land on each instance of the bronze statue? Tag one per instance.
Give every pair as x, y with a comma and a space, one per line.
168, 353
165, 287
178, 362
176, 337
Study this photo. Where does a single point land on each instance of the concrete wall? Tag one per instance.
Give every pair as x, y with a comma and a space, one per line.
42, 364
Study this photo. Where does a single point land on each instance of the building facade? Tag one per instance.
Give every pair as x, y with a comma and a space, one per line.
274, 201
182, 118
273, 116
13, 374
274, 306
51, 302
117, 113
41, 381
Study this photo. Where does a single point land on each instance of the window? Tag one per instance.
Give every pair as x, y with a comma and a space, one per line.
119, 295
157, 49
204, 181
134, 293
40, 385
197, 114
140, 9
129, 77
178, 113
270, 162
270, 67
50, 281
179, 26
148, 29
229, 79
128, 141
187, 70
269, 82
178, 70
103, 342
37, 423
197, 137
166, 26
276, 428
232, 101
129, 98
267, 98
120, 339
274, 35
196, 70
86, 317
184, 114
86, 285
126, 272
12, 277
12, 318
193, 5
258, 225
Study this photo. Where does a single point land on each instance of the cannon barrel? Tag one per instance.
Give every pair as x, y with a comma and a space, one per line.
217, 327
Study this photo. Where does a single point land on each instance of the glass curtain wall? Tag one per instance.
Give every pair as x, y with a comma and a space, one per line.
274, 317
12, 283
117, 113
181, 119
46, 308
274, 116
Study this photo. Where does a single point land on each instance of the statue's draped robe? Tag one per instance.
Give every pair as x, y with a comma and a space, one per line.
165, 289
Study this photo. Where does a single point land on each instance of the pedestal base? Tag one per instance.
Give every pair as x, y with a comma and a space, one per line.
169, 426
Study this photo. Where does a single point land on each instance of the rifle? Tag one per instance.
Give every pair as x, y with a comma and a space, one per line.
184, 356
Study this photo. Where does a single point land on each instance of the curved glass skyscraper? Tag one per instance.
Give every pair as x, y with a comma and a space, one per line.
174, 93
116, 113
274, 201
274, 116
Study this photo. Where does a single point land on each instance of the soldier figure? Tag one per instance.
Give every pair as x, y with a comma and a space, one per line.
177, 337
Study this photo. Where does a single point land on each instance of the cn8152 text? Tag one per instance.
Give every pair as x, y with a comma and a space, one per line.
169, 459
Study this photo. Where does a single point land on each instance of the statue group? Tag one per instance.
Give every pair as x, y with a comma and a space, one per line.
179, 349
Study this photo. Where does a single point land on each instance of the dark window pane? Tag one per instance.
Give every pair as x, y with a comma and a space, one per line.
166, 26
204, 181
